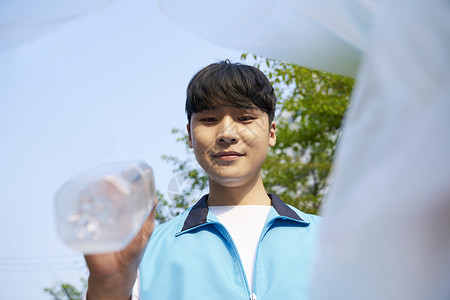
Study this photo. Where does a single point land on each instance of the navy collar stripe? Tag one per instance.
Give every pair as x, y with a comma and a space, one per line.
282, 208
197, 215
199, 212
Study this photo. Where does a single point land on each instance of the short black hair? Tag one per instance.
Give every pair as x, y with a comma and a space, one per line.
230, 84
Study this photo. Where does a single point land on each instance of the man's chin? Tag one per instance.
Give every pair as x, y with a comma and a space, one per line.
227, 181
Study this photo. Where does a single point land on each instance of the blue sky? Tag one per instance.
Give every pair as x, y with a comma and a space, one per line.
106, 87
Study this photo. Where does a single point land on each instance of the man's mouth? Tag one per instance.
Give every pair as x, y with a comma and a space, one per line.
227, 155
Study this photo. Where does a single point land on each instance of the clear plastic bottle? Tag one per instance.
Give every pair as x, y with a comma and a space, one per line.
103, 209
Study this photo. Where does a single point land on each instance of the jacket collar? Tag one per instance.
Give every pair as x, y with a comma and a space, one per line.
199, 213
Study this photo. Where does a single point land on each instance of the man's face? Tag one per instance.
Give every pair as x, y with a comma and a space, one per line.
230, 143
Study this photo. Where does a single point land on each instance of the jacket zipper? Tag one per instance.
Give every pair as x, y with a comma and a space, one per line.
227, 235
266, 227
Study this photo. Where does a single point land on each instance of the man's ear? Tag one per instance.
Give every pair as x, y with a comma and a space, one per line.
188, 128
272, 134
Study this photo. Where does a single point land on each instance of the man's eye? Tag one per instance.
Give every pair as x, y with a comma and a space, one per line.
246, 118
209, 120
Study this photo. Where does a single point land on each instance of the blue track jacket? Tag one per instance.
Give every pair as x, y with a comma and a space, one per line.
194, 257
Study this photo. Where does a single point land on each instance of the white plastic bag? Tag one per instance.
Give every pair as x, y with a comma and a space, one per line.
284, 30
385, 232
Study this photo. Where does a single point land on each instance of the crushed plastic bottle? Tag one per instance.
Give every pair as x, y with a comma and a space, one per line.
103, 209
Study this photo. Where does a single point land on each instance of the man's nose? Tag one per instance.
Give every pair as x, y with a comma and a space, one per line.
228, 132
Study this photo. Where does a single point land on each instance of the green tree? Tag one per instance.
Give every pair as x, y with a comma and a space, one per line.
311, 106
67, 291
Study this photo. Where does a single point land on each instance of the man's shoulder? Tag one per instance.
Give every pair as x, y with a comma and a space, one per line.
173, 224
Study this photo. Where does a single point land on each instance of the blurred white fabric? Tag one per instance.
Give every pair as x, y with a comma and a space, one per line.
386, 220
284, 30
21, 21
350, 20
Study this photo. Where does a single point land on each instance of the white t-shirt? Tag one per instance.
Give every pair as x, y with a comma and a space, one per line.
245, 224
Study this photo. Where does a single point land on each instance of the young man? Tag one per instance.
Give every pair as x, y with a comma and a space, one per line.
237, 242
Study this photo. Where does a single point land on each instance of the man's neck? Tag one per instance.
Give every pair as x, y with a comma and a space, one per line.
252, 193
